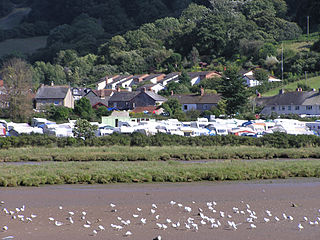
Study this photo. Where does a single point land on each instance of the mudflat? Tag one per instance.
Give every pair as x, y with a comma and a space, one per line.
261, 210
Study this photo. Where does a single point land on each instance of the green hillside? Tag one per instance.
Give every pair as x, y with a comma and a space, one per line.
311, 82
23, 45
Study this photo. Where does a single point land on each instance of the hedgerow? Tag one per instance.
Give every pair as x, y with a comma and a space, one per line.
276, 140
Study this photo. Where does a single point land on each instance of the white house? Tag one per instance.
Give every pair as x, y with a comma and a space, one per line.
117, 81
104, 81
250, 80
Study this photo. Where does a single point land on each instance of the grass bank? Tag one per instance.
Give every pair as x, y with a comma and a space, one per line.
311, 82
126, 153
171, 171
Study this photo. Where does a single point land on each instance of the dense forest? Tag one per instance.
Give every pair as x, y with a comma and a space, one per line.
92, 38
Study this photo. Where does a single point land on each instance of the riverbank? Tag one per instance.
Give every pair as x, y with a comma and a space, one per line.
154, 171
126, 153
294, 198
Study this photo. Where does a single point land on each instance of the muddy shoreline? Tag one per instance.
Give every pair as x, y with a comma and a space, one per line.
277, 196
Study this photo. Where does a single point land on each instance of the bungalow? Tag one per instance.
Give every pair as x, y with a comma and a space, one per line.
152, 87
116, 81
250, 80
202, 102
197, 77
170, 77
298, 102
154, 78
56, 95
138, 78
104, 81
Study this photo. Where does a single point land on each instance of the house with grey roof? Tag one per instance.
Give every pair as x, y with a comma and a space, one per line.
147, 98
201, 102
130, 100
98, 98
298, 102
56, 95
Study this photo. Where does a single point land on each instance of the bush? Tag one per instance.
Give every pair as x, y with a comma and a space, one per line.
276, 140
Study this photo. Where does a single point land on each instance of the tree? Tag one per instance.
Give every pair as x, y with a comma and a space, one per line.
194, 57
316, 46
83, 129
185, 78
84, 109
234, 91
261, 75
172, 106
58, 113
17, 77
102, 111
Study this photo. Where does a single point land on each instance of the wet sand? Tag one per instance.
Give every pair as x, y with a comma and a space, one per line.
276, 196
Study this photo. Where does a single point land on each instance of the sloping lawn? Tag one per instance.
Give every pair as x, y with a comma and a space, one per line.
22, 45
311, 82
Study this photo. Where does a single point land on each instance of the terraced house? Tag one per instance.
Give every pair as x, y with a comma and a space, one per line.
298, 102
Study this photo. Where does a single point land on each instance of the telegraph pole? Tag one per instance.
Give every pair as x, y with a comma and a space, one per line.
308, 20
282, 63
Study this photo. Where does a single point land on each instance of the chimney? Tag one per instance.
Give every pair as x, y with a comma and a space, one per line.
118, 89
52, 84
202, 91
143, 89
102, 95
281, 91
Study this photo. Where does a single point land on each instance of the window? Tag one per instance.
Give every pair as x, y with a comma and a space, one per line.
308, 107
289, 108
283, 108
273, 108
297, 108
56, 102
185, 107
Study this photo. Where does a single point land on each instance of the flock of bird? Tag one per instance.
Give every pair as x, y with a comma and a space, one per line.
191, 218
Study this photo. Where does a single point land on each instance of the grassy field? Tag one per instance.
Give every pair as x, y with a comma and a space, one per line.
311, 82
124, 153
22, 45
303, 43
14, 18
171, 171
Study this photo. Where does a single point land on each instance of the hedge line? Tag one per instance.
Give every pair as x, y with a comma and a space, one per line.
276, 140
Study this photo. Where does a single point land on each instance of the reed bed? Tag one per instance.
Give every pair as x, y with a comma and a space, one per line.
170, 171
126, 153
